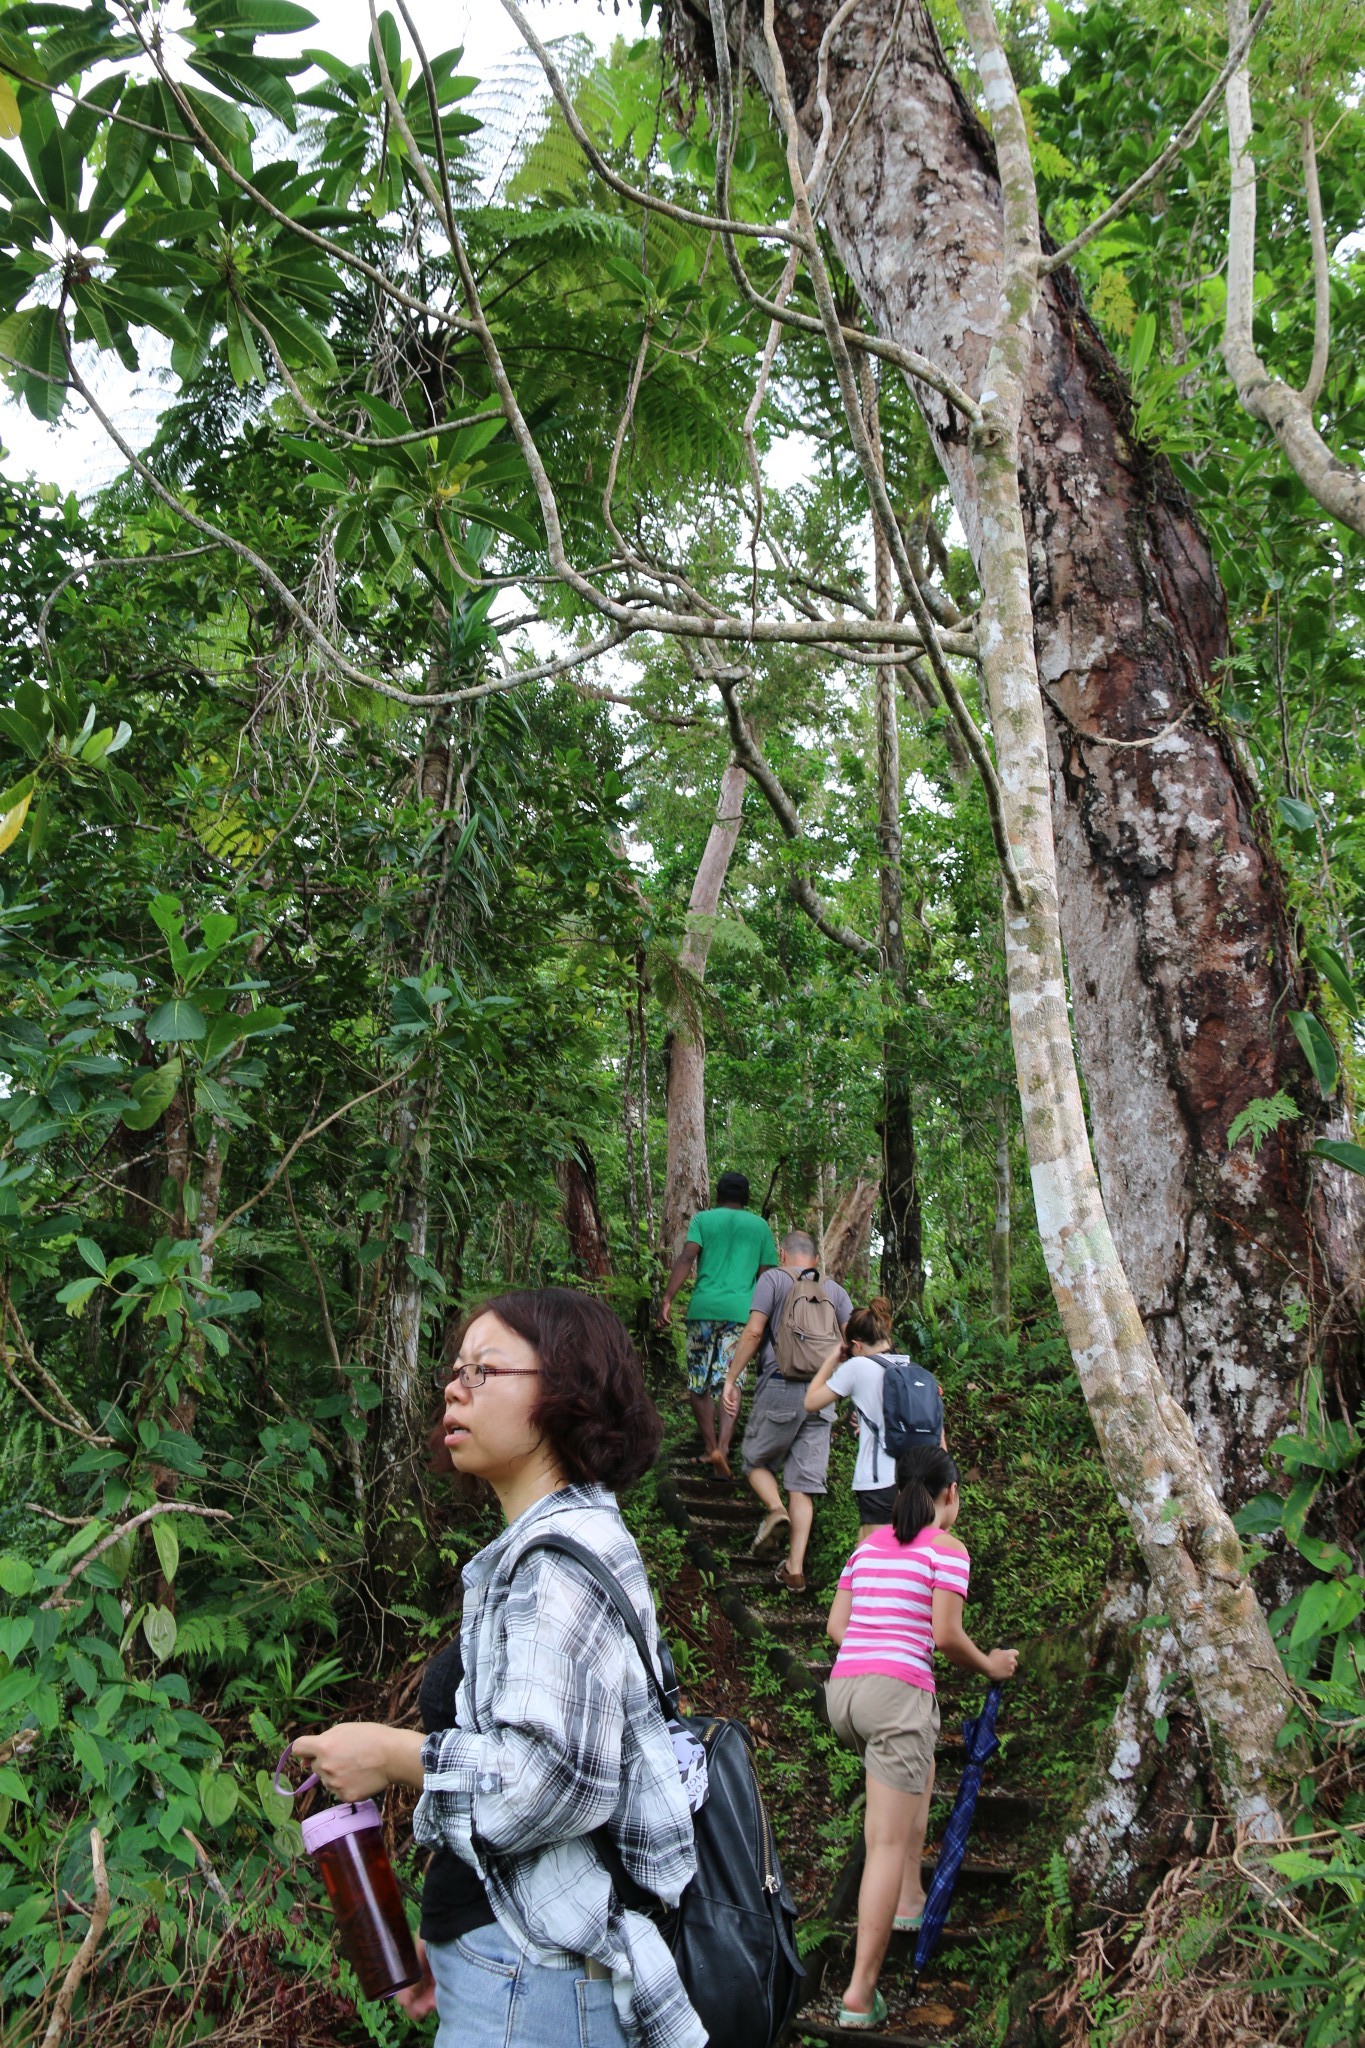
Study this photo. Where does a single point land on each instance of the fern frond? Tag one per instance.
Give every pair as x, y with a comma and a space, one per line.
209, 1636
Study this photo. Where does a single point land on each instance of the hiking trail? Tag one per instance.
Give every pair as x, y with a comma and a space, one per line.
717, 1520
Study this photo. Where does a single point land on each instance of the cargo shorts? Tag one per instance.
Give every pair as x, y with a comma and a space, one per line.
780, 1432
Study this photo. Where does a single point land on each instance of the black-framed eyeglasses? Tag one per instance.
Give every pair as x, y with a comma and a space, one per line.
472, 1377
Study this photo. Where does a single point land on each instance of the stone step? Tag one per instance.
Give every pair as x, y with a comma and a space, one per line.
749, 1572
722, 1531
730, 1514
780, 1621
708, 1485
976, 1870
997, 1806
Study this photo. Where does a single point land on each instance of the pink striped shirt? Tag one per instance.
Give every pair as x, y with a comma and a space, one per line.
890, 1630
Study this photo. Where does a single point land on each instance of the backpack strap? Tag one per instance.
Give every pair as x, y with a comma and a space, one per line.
569, 1546
868, 1423
632, 1896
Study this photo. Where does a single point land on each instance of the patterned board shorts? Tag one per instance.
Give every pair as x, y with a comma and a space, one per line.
710, 1347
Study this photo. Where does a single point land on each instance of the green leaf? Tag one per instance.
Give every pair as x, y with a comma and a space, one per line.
1260, 1517
256, 80
93, 1256
76, 1293
13, 811
1140, 344
217, 1797
261, 17
16, 1632
12, 1785
159, 1627
9, 112
1299, 817
1342, 1153
167, 1545
87, 1752
166, 915
297, 338
1318, 1048
1297, 1866
1326, 1608
1260, 1117
16, 1576
276, 1806
1329, 965
152, 1096
176, 1021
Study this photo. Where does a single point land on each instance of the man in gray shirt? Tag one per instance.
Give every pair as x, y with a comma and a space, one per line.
780, 1431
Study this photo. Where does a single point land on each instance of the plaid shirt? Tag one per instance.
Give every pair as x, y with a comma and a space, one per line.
558, 1732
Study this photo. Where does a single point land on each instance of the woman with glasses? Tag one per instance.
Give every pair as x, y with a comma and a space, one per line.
542, 1726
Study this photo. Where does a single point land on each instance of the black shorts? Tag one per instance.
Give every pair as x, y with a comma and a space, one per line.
875, 1508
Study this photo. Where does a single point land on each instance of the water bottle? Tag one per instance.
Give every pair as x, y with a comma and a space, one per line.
347, 1845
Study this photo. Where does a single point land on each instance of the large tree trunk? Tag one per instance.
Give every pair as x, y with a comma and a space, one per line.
576, 1175
1172, 911
843, 1246
686, 1175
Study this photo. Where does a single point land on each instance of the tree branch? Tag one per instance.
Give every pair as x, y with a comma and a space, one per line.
751, 758
1338, 487
297, 611
1322, 284
163, 1507
656, 618
313, 1131
85, 1954
1174, 148
77, 1426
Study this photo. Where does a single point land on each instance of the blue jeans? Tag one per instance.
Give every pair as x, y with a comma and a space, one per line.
489, 1996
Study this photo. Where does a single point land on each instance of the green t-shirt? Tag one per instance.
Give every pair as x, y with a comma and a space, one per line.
734, 1244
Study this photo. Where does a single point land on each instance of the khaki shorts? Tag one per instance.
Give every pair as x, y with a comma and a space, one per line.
892, 1725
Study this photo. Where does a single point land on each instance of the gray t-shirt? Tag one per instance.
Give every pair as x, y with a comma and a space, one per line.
769, 1297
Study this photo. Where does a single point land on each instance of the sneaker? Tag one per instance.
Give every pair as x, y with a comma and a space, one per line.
795, 1582
772, 1532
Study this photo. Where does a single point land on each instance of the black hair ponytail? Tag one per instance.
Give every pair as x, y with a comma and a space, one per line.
922, 1473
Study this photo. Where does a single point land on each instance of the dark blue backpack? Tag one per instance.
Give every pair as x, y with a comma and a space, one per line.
912, 1406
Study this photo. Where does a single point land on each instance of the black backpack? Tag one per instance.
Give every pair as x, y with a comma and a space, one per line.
733, 1933
912, 1406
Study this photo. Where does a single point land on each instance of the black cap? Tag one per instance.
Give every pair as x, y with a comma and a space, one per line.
732, 1187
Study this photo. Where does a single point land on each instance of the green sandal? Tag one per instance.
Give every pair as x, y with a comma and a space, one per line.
903, 1923
864, 2020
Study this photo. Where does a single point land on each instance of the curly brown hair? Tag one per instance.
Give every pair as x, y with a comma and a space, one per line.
594, 1408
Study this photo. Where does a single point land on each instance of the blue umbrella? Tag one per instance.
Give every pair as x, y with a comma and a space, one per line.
979, 1746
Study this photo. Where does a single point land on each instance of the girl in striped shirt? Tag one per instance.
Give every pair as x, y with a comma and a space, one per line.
900, 1598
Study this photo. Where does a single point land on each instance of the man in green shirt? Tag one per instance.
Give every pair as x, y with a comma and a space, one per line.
733, 1247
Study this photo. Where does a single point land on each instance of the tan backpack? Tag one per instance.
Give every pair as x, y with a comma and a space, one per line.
807, 1328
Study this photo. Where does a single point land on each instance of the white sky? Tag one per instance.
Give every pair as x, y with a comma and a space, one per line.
75, 454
